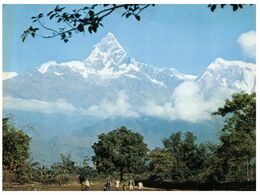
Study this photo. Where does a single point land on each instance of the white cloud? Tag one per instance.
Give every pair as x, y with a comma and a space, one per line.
187, 104
191, 105
247, 42
8, 75
120, 107
59, 106
153, 109
106, 108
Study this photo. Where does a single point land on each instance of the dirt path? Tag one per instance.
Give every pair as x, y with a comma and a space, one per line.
66, 187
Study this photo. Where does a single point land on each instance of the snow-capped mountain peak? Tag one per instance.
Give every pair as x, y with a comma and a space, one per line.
108, 61
220, 63
233, 74
45, 67
182, 76
107, 53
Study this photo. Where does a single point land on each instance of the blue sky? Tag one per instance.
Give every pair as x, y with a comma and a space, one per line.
187, 37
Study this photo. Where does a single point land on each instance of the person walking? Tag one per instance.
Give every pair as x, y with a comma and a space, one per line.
131, 184
124, 187
108, 185
117, 184
87, 185
82, 180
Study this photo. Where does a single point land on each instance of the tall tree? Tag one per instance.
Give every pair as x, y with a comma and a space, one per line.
16, 145
237, 150
190, 158
120, 150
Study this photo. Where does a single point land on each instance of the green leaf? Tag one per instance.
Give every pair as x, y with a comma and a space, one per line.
40, 15
235, 7
93, 6
127, 15
90, 29
77, 15
213, 7
50, 13
59, 20
91, 13
53, 15
137, 17
84, 8
58, 9
94, 28
23, 38
80, 27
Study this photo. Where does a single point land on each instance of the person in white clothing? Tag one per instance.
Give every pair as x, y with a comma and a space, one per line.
140, 186
87, 185
131, 184
117, 184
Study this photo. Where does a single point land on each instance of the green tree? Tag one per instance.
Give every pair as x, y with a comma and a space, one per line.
190, 158
161, 165
65, 168
86, 170
120, 150
237, 151
16, 145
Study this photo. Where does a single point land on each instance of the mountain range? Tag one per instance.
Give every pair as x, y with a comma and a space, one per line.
70, 103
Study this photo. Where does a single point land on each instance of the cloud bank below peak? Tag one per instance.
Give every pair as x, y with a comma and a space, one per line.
119, 107
8, 75
187, 103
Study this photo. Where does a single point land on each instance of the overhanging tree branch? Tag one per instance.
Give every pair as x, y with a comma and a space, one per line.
89, 17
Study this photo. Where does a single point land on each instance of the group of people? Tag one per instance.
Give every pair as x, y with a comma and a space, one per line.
131, 184
85, 184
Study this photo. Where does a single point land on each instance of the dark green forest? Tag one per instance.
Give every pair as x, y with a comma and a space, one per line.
181, 163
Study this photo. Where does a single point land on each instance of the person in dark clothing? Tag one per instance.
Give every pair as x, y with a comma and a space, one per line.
108, 185
82, 180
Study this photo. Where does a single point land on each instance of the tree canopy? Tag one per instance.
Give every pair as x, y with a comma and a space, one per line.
189, 157
237, 150
16, 145
120, 150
